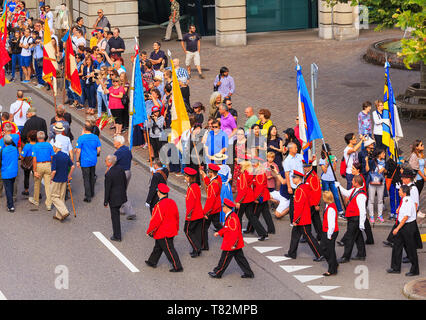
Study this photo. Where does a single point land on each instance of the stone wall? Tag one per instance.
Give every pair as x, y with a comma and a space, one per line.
343, 24
231, 23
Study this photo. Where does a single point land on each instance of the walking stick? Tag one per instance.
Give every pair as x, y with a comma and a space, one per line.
72, 200
149, 150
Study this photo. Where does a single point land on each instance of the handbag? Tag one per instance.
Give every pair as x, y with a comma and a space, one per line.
376, 179
215, 88
27, 163
388, 181
125, 100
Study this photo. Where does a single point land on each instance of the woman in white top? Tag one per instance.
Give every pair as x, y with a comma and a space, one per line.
350, 155
417, 162
378, 124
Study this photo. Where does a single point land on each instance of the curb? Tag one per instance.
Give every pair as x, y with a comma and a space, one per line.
106, 139
408, 290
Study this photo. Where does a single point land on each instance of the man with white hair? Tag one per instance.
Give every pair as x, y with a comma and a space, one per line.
62, 169
66, 145
124, 160
115, 193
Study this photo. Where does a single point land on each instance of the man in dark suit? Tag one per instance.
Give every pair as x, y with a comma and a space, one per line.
115, 193
160, 175
33, 123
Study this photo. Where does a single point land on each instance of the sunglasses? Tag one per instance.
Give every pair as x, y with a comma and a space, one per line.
115, 81
215, 127
229, 104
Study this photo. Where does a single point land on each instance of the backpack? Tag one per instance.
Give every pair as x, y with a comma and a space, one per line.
343, 167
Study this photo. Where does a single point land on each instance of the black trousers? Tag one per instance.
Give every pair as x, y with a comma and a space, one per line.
263, 208
165, 245
353, 236
225, 260
156, 146
89, 181
193, 233
27, 179
296, 233
291, 207
368, 233
316, 222
328, 247
213, 218
420, 184
115, 218
405, 239
248, 209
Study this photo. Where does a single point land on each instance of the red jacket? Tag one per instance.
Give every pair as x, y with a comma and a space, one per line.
302, 207
213, 203
352, 209
260, 187
164, 220
325, 220
315, 185
194, 210
244, 190
231, 233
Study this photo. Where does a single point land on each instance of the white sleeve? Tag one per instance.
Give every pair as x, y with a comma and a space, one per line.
345, 193
361, 201
331, 218
376, 119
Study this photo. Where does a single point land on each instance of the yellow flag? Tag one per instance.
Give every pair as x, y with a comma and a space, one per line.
179, 116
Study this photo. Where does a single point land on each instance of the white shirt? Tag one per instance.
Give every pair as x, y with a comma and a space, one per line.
361, 200
378, 121
293, 163
331, 218
25, 41
407, 209
49, 18
78, 42
14, 107
328, 175
65, 141
414, 194
349, 159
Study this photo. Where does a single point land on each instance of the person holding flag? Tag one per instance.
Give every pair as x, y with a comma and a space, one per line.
71, 71
50, 65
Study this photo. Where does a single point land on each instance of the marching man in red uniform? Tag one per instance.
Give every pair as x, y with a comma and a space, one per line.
213, 204
330, 229
232, 244
302, 219
163, 227
311, 178
194, 212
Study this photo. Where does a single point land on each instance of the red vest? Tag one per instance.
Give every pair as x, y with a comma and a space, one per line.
325, 220
352, 209
260, 187
194, 210
213, 203
302, 208
231, 233
315, 185
244, 189
164, 220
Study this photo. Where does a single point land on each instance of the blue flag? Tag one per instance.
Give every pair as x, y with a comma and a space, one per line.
65, 38
139, 110
309, 129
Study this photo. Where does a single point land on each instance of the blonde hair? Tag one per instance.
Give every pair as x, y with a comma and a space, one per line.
327, 196
246, 166
271, 154
213, 98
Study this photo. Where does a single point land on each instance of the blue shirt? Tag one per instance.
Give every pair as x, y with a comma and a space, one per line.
124, 157
27, 151
9, 165
293, 163
88, 144
98, 65
15, 139
43, 151
61, 163
38, 52
215, 143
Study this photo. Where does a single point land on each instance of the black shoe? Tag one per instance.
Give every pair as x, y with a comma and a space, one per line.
132, 217
302, 240
319, 259
115, 239
340, 243
164, 39
176, 270
214, 275
179, 40
248, 231
318, 238
369, 243
194, 254
405, 260
411, 274
271, 232
289, 256
12, 79
342, 260
263, 238
87, 200
150, 264
388, 244
247, 276
205, 249
392, 271
25, 193
358, 258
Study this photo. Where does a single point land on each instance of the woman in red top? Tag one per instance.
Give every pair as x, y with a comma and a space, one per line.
116, 92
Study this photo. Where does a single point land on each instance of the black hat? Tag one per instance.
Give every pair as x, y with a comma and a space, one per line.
408, 173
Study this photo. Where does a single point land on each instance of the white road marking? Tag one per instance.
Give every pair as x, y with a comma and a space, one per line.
345, 298
304, 279
266, 249
116, 252
277, 258
321, 289
294, 268
2, 296
250, 240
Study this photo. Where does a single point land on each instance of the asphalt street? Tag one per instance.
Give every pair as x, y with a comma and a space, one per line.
36, 250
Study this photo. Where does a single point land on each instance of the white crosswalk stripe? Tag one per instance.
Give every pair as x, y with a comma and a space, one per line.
277, 258
266, 249
321, 289
307, 278
294, 268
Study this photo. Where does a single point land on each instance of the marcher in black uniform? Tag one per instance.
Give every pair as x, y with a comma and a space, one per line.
404, 234
160, 175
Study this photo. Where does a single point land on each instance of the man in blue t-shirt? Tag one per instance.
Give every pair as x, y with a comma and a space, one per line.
62, 169
217, 142
88, 149
9, 169
42, 159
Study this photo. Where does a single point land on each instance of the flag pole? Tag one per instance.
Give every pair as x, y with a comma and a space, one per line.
132, 92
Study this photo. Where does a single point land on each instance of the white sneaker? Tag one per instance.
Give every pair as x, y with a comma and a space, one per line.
31, 200
421, 215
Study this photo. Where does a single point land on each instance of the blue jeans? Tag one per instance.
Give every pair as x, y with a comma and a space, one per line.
16, 58
8, 188
102, 97
329, 185
20, 128
349, 178
89, 93
394, 198
39, 72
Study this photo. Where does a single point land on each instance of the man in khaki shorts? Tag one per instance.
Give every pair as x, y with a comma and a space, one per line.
191, 46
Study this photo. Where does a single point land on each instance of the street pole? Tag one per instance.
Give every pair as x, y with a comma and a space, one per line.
314, 85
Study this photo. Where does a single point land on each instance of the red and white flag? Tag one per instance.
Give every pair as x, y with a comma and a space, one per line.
50, 65
71, 71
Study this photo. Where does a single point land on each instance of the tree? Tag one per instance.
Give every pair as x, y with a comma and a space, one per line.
403, 14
